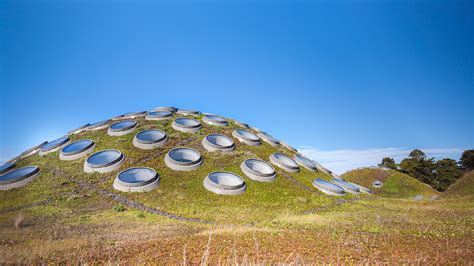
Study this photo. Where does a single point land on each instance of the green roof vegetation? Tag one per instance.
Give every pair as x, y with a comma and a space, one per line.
395, 184
180, 192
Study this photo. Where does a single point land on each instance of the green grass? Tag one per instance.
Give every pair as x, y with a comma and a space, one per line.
180, 193
395, 184
464, 187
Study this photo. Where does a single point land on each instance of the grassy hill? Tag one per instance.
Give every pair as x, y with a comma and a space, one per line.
464, 187
68, 216
395, 184
179, 193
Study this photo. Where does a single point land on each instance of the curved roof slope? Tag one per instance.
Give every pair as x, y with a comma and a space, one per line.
180, 192
395, 184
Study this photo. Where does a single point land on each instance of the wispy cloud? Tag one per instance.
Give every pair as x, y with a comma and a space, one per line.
340, 161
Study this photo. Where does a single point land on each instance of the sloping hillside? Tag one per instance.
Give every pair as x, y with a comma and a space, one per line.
395, 184
65, 215
464, 187
180, 193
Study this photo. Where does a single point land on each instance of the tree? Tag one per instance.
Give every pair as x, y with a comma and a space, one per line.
417, 154
447, 172
467, 160
439, 175
419, 167
389, 163
422, 170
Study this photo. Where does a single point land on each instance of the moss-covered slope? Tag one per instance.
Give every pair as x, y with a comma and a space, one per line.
395, 184
180, 193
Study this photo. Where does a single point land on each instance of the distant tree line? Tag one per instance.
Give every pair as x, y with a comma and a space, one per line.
438, 174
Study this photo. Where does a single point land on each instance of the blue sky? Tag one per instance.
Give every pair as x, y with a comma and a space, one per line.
347, 81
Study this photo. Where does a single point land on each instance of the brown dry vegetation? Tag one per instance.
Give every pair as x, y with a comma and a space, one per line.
364, 231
